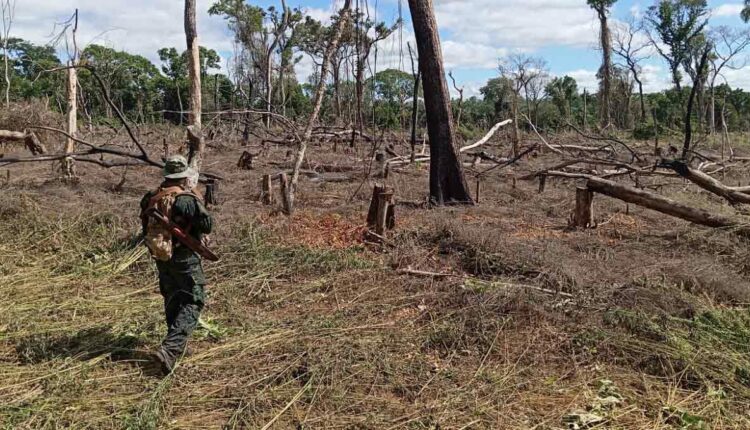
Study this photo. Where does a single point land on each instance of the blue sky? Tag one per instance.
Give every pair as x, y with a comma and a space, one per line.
475, 33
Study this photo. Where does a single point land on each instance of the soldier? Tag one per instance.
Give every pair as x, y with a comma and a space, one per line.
181, 279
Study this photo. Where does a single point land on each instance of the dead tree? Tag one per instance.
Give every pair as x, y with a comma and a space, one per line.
447, 181
8, 9
344, 15
602, 11
195, 138
460, 91
415, 103
28, 138
628, 47
701, 71
664, 205
67, 163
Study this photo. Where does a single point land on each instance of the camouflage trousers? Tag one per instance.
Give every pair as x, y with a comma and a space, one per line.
182, 286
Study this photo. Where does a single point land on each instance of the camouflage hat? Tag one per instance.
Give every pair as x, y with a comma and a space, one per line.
177, 167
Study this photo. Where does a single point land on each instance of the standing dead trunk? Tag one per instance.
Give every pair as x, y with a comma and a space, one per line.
68, 168
606, 45
179, 101
712, 112
269, 87
360, 91
72, 126
415, 104
516, 133
344, 15
194, 120
691, 101
447, 182
585, 110
8, 12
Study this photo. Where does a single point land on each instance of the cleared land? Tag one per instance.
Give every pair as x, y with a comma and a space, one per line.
640, 323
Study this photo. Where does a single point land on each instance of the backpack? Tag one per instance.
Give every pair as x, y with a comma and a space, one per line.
158, 238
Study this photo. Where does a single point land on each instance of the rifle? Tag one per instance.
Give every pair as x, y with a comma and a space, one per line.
184, 238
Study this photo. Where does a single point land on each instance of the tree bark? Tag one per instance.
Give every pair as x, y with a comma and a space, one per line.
447, 182
583, 217
689, 114
72, 128
194, 120
606, 42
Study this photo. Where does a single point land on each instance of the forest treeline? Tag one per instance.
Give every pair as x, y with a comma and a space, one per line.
270, 43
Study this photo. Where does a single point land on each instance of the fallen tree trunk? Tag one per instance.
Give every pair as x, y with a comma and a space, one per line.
708, 183
27, 137
487, 137
666, 206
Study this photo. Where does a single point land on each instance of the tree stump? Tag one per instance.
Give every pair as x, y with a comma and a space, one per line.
479, 189
382, 215
246, 161
266, 194
212, 191
583, 217
542, 183
286, 197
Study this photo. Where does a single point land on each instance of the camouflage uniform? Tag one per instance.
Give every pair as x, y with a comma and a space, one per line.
181, 279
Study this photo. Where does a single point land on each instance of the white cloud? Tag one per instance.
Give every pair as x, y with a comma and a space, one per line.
586, 79
518, 24
729, 9
655, 78
739, 78
464, 55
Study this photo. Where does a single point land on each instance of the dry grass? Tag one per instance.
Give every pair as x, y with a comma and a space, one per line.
308, 327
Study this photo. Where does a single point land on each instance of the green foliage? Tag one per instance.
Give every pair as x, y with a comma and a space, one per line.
392, 88
243, 19
602, 5
678, 23
498, 93
563, 91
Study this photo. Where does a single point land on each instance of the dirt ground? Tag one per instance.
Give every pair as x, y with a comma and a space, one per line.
640, 323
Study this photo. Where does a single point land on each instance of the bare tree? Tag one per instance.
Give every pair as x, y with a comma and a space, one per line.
447, 182
195, 137
8, 10
273, 39
728, 44
632, 49
460, 91
520, 70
